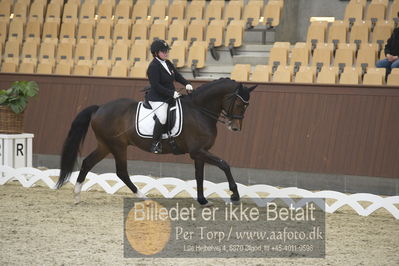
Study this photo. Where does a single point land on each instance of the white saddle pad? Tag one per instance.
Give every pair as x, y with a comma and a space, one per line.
145, 121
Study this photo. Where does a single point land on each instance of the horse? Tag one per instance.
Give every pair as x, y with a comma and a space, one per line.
114, 128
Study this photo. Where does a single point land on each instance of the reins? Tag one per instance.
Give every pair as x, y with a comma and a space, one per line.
224, 114
210, 114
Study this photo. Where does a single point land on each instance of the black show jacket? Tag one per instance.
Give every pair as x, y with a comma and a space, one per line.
162, 87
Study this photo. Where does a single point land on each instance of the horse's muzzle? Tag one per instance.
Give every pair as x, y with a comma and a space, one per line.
235, 125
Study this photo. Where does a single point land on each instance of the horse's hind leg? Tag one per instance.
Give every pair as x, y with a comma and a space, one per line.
119, 153
88, 163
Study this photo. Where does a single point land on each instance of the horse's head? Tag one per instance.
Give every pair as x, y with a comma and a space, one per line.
234, 106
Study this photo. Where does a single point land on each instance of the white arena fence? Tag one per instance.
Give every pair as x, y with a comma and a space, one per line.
28, 177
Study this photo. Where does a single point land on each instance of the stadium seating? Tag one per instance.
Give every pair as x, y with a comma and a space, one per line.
197, 56
317, 32
139, 51
177, 30
367, 54
195, 11
140, 10
5, 11
234, 35
393, 78
139, 69
3, 31
33, 31
393, 12
67, 32
63, 68
272, 13
140, 30
350, 76
100, 70
278, 56
196, 30
112, 38
382, 31
214, 10
252, 12
70, 13
354, 11
177, 10
322, 54
12, 51
44, 68
20, 11
158, 30
81, 69
121, 32
360, 32
327, 75
345, 54
338, 31
305, 74
282, 75
120, 53
261, 73
178, 53
15, 31
241, 72
233, 11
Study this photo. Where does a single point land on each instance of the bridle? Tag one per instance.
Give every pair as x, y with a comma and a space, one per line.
229, 113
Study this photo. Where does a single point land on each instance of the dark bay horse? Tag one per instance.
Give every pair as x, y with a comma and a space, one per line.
114, 127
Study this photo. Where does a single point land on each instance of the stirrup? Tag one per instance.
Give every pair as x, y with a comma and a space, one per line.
156, 147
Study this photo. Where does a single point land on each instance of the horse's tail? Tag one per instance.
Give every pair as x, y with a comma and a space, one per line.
74, 140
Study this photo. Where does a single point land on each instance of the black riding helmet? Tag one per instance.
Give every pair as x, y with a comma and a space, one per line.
159, 46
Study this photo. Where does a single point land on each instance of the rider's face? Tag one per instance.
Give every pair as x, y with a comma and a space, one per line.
163, 55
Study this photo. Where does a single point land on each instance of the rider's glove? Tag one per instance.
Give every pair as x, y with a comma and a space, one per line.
189, 87
176, 95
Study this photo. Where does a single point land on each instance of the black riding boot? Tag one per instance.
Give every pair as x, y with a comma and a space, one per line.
156, 146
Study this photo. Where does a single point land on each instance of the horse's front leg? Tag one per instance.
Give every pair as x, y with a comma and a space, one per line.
199, 177
208, 157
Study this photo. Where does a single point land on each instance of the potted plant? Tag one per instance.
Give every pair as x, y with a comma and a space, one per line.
13, 102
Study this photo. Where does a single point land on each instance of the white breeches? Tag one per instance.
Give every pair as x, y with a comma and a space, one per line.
160, 110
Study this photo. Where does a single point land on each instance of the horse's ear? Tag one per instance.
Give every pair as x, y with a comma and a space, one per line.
252, 88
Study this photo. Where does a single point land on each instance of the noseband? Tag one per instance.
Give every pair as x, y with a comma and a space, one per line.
229, 114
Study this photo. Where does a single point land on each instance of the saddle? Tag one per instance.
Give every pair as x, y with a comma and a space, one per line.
145, 120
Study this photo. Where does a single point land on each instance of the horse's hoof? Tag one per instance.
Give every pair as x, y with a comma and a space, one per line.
207, 204
76, 200
235, 202
140, 195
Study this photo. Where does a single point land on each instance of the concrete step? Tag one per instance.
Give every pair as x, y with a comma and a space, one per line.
209, 72
247, 54
252, 60
252, 54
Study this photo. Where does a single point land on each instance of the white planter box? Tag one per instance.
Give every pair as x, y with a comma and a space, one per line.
16, 150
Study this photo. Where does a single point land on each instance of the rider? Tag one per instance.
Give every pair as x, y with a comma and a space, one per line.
161, 74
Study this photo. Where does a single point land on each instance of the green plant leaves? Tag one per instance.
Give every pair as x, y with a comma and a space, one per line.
3, 96
17, 96
19, 106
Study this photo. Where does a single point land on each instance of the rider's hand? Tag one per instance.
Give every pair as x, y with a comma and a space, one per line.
176, 95
189, 87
